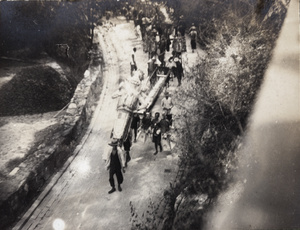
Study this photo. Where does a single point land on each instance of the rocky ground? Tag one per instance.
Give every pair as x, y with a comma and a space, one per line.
35, 145
19, 134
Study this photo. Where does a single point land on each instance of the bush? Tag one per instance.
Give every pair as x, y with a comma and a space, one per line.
216, 100
34, 90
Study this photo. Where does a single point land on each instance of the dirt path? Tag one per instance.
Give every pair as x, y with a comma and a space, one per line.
79, 199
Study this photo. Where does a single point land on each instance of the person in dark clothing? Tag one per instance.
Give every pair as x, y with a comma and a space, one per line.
156, 133
164, 124
155, 119
178, 70
193, 34
151, 70
134, 16
171, 63
146, 125
162, 51
127, 146
167, 105
181, 32
165, 128
135, 124
181, 26
115, 162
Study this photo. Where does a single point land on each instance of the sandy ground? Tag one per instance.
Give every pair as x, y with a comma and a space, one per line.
18, 136
18, 133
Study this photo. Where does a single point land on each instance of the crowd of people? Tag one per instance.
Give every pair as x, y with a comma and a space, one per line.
155, 128
157, 38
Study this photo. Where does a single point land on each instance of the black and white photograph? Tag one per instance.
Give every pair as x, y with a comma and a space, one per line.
149, 115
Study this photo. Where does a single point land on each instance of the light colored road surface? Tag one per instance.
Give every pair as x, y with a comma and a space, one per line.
79, 198
266, 195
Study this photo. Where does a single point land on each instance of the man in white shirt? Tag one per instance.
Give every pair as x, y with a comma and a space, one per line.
133, 66
115, 163
167, 105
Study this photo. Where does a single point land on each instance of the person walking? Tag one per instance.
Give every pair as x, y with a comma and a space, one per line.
171, 65
146, 125
135, 123
156, 133
177, 46
180, 32
164, 124
193, 35
127, 145
115, 163
165, 127
151, 69
178, 70
133, 66
162, 51
167, 105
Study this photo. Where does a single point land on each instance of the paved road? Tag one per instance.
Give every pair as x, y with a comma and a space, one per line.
79, 198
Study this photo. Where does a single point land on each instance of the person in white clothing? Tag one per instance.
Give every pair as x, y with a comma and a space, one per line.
167, 105
133, 66
115, 163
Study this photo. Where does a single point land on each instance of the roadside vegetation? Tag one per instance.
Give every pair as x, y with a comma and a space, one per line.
215, 99
215, 102
34, 32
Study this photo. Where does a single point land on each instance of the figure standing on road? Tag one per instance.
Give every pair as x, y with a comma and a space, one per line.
146, 125
127, 146
193, 34
135, 123
162, 51
151, 68
180, 32
178, 70
177, 46
167, 105
156, 133
165, 127
153, 63
115, 163
133, 66
171, 65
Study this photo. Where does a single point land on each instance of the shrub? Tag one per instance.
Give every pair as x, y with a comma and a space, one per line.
34, 90
216, 100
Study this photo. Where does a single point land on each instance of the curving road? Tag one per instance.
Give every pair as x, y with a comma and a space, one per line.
77, 197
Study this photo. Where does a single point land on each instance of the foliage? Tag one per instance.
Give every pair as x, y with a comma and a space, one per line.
147, 220
247, 15
51, 26
216, 100
63, 30
36, 89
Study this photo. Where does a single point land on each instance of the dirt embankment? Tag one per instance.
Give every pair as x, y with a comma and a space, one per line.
36, 135
36, 89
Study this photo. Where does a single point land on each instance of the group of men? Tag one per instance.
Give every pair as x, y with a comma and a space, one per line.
156, 127
116, 159
158, 45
